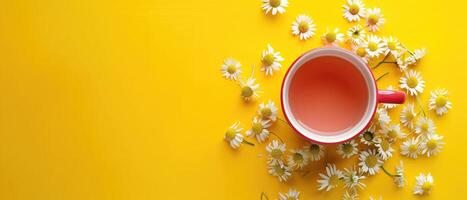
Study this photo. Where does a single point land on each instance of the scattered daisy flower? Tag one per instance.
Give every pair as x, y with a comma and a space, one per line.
298, 159
353, 10
268, 110
276, 151
231, 69
360, 49
424, 126
350, 195
331, 179
332, 37
411, 148
403, 59
304, 27
384, 149
259, 129
369, 162
418, 54
249, 89
432, 144
374, 46
424, 184
233, 135
408, 115
392, 132
356, 34
381, 118
374, 19
368, 137
389, 105
412, 82
439, 101
347, 149
316, 151
281, 171
352, 179
291, 195
399, 178
275, 6
271, 61
393, 46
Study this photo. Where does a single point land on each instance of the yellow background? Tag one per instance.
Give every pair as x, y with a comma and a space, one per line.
125, 100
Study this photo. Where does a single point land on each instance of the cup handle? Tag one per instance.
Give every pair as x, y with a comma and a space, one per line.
388, 96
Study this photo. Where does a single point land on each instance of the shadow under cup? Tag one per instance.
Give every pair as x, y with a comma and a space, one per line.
329, 95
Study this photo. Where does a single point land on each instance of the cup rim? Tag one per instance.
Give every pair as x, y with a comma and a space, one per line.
371, 86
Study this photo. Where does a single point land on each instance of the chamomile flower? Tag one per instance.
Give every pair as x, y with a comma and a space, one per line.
356, 34
374, 46
360, 49
332, 37
381, 118
347, 149
369, 137
271, 61
399, 178
384, 149
331, 179
259, 129
315, 151
408, 116
281, 171
369, 162
249, 89
393, 46
392, 132
352, 195
389, 105
412, 82
418, 54
231, 69
276, 151
353, 179
403, 59
292, 194
424, 184
353, 10
298, 159
304, 27
233, 135
424, 126
374, 19
439, 101
268, 110
275, 6
432, 144
411, 148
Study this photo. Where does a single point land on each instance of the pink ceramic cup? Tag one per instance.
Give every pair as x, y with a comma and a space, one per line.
375, 96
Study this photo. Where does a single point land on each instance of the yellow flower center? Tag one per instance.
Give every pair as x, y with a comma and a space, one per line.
392, 134
354, 9
371, 161
333, 180
276, 154
384, 145
314, 149
413, 148
412, 82
298, 158
373, 19
275, 3
426, 186
441, 101
331, 37
361, 52
257, 128
230, 134
409, 116
347, 148
266, 112
303, 27
231, 69
372, 46
279, 170
424, 127
431, 144
368, 136
247, 91
268, 60
392, 46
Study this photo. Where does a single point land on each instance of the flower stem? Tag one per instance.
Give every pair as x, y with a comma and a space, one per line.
277, 136
249, 143
386, 172
283, 121
305, 173
263, 194
383, 61
252, 71
420, 105
382, 76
